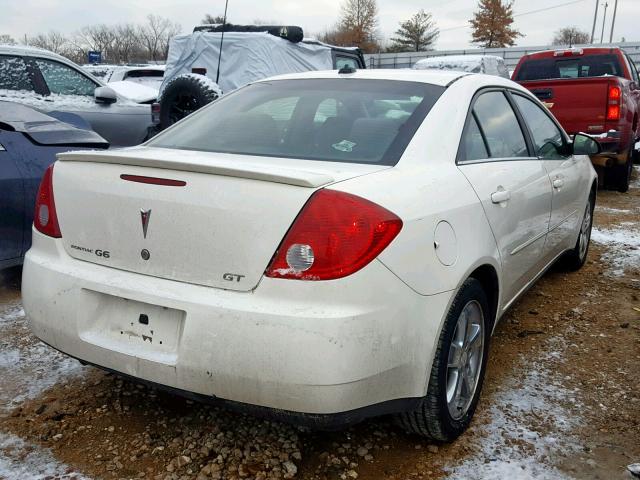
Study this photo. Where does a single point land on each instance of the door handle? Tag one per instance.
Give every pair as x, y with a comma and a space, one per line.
501, 196
558, 183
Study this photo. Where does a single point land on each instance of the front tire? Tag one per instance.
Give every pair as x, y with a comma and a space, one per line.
458, 369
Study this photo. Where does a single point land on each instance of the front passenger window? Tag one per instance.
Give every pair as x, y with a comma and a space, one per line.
64, 80
547, 137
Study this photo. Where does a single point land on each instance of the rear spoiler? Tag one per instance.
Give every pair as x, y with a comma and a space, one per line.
203, 163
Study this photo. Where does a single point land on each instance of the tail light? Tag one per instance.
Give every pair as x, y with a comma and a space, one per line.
613, 102
155, 113
46, 219
335, 235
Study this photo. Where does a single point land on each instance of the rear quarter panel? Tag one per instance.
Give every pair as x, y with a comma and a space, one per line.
425, 188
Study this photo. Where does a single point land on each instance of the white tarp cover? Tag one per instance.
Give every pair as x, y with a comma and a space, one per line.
487, 64
246, 57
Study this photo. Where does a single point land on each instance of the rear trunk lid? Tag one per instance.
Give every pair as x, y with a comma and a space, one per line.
218, 227
580, 105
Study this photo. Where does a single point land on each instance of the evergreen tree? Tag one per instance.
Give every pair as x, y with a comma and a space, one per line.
417, 34
492, 24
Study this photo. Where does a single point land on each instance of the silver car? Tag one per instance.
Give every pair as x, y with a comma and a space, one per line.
52, 84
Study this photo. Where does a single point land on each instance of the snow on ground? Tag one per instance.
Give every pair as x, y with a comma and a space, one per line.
623, 242
23, 461
636, 183
611, 211
27, 368
513, 447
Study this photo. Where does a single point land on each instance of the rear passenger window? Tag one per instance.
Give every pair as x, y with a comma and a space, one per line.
13, 74
500, 126
473, 147
547, 137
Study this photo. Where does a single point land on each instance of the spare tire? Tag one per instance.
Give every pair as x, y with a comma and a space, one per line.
184, 95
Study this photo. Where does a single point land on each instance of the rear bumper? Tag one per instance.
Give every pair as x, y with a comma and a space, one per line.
354, 347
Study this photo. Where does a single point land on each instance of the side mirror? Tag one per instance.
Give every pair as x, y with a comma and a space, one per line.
584, 144
105, 95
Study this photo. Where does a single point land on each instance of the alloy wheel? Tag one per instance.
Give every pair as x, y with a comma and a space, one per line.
465, 359
585, 231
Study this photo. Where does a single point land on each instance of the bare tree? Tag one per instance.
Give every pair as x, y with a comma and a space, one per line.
53, 41
126, 45
156, 34
100, 38
211, 19
6, 39
570, 36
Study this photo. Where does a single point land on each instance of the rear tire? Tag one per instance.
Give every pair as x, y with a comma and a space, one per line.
576, 258
458, 368
184, 95
621, 174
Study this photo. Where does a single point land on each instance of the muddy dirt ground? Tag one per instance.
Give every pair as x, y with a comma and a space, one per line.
561, 399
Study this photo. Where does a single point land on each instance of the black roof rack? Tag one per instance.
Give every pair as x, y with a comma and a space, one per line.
288, 32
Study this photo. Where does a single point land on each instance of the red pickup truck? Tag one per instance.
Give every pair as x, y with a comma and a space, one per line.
594, 91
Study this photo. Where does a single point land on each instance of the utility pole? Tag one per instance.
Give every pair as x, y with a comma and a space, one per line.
613, 22
595, 16
604, 19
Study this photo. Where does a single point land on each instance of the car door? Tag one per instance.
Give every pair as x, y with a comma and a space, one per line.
122, 123
12, 205
512, 185
567, 178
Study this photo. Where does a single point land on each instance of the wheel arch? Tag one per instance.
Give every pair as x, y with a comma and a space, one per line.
487, 275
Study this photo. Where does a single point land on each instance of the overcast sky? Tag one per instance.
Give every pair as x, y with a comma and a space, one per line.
19, 17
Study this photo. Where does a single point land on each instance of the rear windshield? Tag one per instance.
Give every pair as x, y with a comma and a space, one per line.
339, 120
570, 67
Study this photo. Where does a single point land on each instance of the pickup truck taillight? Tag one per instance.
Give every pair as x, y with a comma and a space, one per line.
155, 113
613, 102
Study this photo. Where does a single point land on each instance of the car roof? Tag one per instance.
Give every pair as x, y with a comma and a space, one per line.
24, 50
443, 78
434, 77
28, 51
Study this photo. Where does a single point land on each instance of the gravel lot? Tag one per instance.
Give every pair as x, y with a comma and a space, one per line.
560, 401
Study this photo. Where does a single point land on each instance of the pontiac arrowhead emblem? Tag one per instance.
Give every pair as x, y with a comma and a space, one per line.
145, 215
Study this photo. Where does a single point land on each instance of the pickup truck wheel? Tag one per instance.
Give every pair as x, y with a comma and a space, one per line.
458, 369
576, 258
620, 175
184, 95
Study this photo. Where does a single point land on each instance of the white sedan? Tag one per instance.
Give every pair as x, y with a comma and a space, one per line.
322, 247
